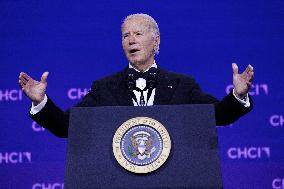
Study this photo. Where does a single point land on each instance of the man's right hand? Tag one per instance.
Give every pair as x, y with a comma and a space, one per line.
34, 90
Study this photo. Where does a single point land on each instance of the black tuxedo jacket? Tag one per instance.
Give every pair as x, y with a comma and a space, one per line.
172, 89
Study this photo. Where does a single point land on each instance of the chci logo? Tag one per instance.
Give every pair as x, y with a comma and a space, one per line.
141, 145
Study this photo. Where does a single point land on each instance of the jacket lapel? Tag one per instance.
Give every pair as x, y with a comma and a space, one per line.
166, 86
119, 90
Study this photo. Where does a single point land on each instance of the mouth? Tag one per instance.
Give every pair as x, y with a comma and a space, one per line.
133, 51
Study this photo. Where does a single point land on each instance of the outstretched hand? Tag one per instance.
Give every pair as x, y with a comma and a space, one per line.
242, 82
34, 90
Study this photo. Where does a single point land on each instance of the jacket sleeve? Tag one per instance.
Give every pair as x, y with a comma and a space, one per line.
227, 111
55, 120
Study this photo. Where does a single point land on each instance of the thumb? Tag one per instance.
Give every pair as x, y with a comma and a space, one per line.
235, 68
44, 77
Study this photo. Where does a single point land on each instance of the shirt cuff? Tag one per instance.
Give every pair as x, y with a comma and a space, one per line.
35, 109
245, 101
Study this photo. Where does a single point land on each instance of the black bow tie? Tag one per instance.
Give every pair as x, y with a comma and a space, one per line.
143, 75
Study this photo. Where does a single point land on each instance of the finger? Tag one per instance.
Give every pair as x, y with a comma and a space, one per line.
22, 85
23, 80
247, 76
235, 68
249, 69
44, 77
250, 76
25, 76
21, 77
249, 84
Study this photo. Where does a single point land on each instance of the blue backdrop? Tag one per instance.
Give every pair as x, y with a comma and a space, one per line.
78, 42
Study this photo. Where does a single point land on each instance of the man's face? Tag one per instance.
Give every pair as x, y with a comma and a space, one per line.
139, 43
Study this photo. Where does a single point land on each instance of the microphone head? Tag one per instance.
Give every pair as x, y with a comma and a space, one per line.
152, 78
130, 79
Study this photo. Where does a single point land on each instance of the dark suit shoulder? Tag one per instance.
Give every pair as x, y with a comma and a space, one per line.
113, 78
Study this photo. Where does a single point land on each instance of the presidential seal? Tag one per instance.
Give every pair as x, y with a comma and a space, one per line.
141, 145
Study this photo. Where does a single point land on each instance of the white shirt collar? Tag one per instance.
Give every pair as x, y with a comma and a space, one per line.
154, 65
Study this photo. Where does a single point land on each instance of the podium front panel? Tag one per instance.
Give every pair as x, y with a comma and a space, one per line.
193, 161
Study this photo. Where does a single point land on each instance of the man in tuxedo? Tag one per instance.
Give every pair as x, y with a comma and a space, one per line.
143, 83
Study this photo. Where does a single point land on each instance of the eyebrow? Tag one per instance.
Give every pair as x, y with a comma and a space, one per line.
140, 31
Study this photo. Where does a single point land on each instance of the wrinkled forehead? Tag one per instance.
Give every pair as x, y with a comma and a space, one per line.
136, 24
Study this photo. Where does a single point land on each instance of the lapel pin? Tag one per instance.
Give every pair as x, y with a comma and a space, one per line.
169, 86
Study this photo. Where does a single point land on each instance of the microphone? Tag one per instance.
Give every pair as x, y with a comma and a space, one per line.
131, 84
131, 80
151, 81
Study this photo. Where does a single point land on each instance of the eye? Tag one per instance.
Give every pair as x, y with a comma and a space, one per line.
125, 36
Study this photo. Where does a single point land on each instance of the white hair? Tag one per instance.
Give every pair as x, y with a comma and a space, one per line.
153, 26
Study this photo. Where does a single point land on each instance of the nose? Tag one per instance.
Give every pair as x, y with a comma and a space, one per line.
132, 40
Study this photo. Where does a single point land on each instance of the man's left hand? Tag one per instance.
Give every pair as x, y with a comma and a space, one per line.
242, 82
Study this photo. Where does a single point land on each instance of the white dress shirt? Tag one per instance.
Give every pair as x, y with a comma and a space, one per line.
141, 84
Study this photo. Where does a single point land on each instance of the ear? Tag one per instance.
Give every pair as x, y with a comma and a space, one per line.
157, 40
157, 44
